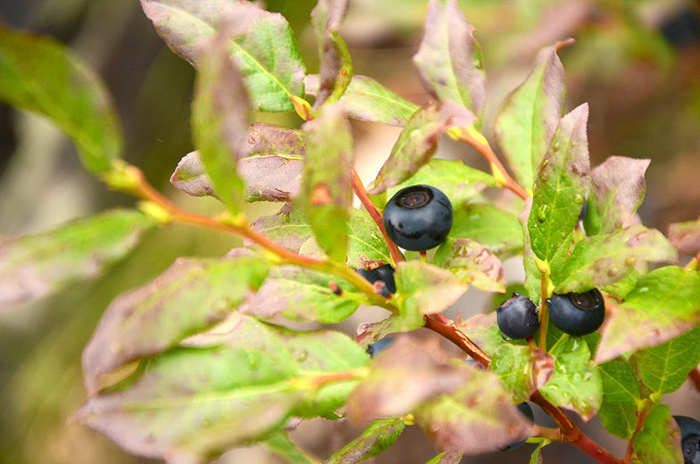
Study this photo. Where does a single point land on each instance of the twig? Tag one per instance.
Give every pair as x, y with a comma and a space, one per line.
485, 149
641, 416
362, 194
694, 377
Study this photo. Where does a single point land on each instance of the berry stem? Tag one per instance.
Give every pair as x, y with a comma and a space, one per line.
359, 189
569, 432
485, 149
146, 191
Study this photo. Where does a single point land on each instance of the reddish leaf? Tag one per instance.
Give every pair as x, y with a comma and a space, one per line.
472, 263
685, 236
326, 17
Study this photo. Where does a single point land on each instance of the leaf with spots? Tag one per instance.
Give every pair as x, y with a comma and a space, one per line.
561, 185
226, 389
522, 368
617, 190
449, 58
665, 368
37, 265
375, 439
262, 43
664, 304
618, 413
335, 71
529, 117
472, 263
190, 296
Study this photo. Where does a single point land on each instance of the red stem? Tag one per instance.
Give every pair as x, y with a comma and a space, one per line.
694, 378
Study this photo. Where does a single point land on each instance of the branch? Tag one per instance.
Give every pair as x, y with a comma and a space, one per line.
362, 194
485, 149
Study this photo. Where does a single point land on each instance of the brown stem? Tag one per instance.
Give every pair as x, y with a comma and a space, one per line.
641, 416
694, 377
359, 189
487, 152
570, 433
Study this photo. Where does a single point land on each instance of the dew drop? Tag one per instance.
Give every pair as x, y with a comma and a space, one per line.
542, 213
643, 290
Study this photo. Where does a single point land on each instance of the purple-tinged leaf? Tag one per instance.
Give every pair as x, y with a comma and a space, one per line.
561, 186
477, 418
232, 389
376, 439
576, 383
267, 177
461, 183
449, 58
526, 123
685, 236
301, 294
220, 121
664, 304
189, 297
269, 139
618, 413
327, 182
34, 266
425, 289
335, 72
263, 44
287, 227
406, 374
659, 441
472, 263
617, 190
600, 260
42, 75
522, 368
418, 141
367, 100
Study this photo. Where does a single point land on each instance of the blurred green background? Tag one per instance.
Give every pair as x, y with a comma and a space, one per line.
637, 62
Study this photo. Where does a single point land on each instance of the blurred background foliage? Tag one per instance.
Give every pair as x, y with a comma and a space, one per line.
637, 62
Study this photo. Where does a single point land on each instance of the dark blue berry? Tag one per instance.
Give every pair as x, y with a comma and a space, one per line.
577, 313
690, 439
418, 218
526, 410
517, 317
384, 273
373, 349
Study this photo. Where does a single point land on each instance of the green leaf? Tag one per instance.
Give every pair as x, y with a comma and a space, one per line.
418, 141
685, 236
455, 179
483, 330
288, 227
561, 186
424, 289
617, 190
367, 100
530, 115
576, 383
370, 332
365, 240
533, 275
618, 413
664, 304
262, 42
267, 177
659, 441
665, 368
522, 368
282, 446
477, 418
604, 259
446, 458
376, 439
335, 63
327, 181
449, 58
536, 456
40, 74
225, 390
190, 296
472, 263
496, 229
302, 294
220, 122
34, 266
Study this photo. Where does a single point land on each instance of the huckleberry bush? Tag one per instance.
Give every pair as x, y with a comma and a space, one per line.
197, 362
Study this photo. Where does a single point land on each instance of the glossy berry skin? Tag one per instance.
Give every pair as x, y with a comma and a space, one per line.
418, 218
373, 349
526, 410
577, 313
517, 317
690, 439
383, 273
